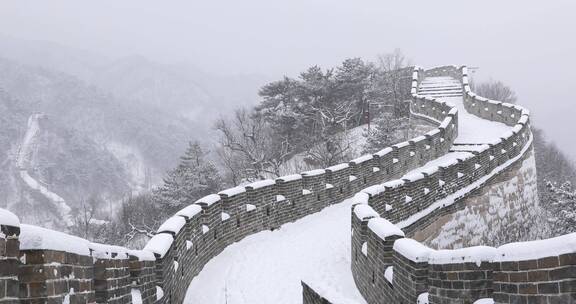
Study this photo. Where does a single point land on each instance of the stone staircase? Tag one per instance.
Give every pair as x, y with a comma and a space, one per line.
440, 87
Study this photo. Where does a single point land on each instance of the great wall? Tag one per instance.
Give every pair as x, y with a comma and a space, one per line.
397, 192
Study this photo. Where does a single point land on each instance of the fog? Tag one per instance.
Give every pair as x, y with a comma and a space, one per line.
527, 44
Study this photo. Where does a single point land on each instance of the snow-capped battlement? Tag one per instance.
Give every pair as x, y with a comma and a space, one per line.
433, 176
499, 275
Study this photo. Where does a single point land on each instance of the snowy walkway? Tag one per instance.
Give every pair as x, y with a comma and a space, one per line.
267, 267
471, 129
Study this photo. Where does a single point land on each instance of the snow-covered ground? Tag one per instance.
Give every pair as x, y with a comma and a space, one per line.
267, 267
25, 154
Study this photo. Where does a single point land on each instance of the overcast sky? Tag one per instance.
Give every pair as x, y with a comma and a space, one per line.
530, 45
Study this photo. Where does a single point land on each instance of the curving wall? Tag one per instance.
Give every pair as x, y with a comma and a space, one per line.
388, 267
38, 268
43, 268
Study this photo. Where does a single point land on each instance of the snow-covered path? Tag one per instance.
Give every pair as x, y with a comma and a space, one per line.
471, 129
267, 267
22, 161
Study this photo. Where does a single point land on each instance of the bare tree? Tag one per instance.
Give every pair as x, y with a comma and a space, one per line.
140, 218
251, 149
330, 150
393, 74
495, 90
84, 218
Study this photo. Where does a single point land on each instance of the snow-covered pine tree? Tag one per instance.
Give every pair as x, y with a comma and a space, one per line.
561, 208
194, 177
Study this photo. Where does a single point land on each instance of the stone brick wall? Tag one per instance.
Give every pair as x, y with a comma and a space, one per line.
112, 280
265, 205
56, 275
459, 282
9, 254
550, 279
142, 277
410, 277
202, 230
531, 272
39, 265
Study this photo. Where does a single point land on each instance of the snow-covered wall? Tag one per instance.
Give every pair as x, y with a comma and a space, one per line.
54, 265
389, 268
39, 265
9, 250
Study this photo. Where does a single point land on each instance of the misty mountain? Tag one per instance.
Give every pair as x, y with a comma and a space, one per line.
76, 125
178, 88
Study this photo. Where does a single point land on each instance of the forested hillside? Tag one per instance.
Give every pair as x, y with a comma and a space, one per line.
92, 131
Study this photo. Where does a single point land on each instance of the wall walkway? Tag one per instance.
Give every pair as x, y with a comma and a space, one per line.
43, 266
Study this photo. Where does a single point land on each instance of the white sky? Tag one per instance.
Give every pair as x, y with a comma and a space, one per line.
528, 44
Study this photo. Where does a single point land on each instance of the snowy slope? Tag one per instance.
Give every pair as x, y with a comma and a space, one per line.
267, 267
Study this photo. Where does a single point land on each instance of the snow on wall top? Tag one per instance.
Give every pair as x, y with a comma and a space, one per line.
413, 176
159, 244
394, 183
103, 251
383, 228
373, 190
532, 250
261, 184
338, 167
210, 199
401, 145
289, 178
173, 225
412, 250
362, 159
233, 191
364, 211
314, 172
8, 218
190, 211
36, 238
477, 254
361, 198
142, 255
383, 151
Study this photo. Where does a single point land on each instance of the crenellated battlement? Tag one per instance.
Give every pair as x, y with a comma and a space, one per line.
395, 269
394, 192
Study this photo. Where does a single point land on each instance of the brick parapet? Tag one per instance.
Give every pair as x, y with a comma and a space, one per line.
465, 278
9, 262
235, 213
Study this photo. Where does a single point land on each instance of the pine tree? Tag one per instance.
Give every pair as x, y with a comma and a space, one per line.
388, 130
193, 178
561, 207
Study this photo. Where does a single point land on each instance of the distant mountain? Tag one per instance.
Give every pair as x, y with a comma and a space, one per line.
182, 88
76, 125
